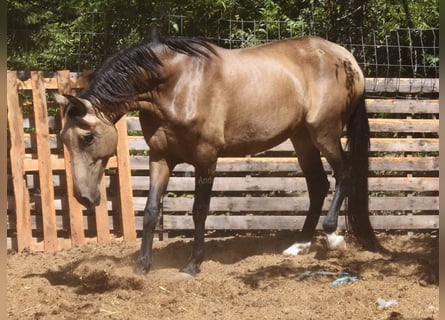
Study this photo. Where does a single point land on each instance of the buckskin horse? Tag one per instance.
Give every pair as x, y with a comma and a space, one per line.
198, 102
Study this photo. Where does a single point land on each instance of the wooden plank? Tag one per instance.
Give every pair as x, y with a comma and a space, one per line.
289, 204
403, 184
45, 170
75, 209
405, 145
404, 125
49, 83
77, 81
102, 226
290, 164
124, 182
33, 165
402, 85
384, 145
404, 163
296, 222
288, 184
17, 153
407, 106
276, 204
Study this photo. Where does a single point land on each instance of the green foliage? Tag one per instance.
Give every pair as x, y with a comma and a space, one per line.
80, 34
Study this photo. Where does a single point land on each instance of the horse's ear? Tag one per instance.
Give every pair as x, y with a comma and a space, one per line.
73, 106
78, 109
77, 105
60, 99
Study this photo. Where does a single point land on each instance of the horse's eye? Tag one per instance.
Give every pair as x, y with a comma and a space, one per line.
88, 139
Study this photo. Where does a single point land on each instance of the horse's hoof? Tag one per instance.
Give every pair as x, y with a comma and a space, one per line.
190, 269
297, 249
142, 268
183, 276
335, 242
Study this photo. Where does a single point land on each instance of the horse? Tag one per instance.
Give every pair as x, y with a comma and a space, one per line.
198, 102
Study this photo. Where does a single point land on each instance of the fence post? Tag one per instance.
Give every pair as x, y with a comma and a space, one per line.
101, 211
125, 186
17, 155
75, 209
44, 162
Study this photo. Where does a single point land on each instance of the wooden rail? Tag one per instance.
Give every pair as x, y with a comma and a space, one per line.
262, 192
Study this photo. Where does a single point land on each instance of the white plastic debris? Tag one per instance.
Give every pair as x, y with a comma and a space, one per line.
383, 304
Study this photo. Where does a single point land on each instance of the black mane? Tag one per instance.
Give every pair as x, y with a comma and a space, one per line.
123, 75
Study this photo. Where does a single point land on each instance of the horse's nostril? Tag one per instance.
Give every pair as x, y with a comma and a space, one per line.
97, 200
85, 201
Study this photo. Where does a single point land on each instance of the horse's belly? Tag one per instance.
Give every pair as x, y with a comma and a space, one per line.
244, 149
250, 141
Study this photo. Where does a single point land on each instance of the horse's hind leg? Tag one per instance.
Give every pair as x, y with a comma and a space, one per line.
327, 140
318, 186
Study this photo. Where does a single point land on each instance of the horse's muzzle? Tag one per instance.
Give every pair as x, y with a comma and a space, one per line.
89, 202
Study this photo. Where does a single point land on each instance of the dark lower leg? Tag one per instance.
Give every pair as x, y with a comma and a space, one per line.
204, 182
143, 263
316, 180
330, 223
197, 255
318, 188
159, 176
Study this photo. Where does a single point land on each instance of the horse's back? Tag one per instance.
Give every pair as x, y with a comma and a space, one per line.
329, 75
302, 64
269, 91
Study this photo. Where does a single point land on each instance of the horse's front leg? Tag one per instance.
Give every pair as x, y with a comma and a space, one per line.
203, 190
160, 170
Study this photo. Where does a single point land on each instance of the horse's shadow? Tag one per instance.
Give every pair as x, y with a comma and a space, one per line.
421, 255
171, 256
222, 250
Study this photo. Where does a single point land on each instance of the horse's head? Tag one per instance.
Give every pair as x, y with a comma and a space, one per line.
91, 141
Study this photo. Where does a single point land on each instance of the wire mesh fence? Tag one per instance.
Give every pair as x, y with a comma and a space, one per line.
402, 53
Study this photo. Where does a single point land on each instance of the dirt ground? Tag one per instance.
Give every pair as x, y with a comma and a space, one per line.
243, 277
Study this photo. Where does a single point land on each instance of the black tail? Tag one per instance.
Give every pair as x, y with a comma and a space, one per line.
357, 215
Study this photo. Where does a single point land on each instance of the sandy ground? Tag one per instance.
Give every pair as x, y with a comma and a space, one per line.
243, 277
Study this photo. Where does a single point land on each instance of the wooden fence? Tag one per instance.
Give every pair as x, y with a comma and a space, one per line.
261, 192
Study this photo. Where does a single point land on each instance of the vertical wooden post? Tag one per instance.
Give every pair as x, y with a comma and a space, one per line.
102, 219
44, 162
75, 209
17, 155
125, 186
